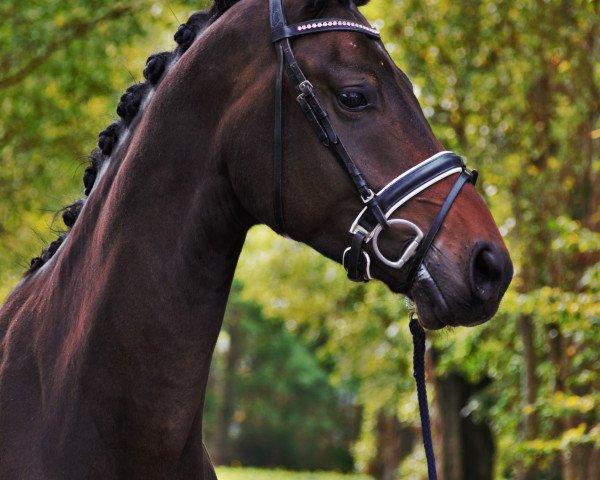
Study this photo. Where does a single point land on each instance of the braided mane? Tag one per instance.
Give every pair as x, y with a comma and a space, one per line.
130, 107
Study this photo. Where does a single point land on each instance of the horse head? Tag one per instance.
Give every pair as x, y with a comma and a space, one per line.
309, 193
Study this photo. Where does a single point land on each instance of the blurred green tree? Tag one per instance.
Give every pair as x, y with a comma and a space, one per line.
270, 401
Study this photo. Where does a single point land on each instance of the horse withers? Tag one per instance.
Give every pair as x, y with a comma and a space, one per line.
107, 341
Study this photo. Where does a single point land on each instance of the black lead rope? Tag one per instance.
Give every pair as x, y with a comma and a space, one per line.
418, 335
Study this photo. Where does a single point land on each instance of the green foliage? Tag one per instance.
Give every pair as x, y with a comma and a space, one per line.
284, 409
362, 331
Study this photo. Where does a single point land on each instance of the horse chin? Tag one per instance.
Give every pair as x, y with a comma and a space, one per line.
434, 310
431, 306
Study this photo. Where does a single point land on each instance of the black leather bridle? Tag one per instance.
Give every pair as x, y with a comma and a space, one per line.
375, 216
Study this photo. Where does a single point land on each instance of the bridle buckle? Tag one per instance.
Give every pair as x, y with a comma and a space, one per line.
370, 196
408, 253
306, 88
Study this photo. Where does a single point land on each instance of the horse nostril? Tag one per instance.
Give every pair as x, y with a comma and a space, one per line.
486, 272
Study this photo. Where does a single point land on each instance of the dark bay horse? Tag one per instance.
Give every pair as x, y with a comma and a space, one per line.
106, 343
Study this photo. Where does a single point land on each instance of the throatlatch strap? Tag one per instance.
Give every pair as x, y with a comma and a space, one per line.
278, 146
418, 335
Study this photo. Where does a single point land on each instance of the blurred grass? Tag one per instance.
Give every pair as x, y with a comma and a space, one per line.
237, 473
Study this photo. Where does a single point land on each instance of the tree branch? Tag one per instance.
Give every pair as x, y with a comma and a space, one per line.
76, 29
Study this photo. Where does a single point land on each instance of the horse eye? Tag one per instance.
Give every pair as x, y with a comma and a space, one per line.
352, 100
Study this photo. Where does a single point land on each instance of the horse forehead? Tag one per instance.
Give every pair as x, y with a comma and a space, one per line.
325, 50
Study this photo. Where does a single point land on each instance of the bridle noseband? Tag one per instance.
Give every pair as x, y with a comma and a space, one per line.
375, 216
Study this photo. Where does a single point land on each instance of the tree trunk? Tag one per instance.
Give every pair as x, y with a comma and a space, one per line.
394, 442
222, 445
465, 448
530, 425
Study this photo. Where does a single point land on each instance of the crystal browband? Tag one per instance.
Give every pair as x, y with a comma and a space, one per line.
325, 24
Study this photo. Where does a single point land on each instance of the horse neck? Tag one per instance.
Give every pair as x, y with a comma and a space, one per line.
149, 263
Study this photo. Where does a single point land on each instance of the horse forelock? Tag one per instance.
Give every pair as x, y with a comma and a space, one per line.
131, 107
